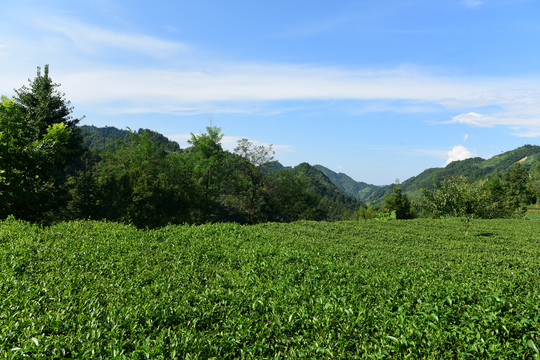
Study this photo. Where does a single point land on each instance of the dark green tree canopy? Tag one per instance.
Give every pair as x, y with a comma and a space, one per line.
43, 105
399, 202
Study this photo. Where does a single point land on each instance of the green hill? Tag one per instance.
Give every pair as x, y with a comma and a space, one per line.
325, 200
333, 198
473, 168
340, 192
100, 138
357, 189
313, 191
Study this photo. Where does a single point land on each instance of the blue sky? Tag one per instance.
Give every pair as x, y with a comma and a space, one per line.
379, 90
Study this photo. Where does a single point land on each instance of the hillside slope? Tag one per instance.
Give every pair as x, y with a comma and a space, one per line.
100, 138
357, 189
327, 198
473, 168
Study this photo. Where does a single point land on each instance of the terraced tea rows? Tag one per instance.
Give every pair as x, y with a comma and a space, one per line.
400, 289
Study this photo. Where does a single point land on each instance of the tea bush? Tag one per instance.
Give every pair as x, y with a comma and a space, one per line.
398, 289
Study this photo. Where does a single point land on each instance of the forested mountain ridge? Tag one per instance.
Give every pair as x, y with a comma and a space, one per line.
474, 169
312, 192
357, 189
53, 170
334, 199
100, 138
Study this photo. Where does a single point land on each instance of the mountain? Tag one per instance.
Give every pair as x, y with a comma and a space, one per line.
100, 138
338, 188
333, 199
330, 202
473, 168
357, 189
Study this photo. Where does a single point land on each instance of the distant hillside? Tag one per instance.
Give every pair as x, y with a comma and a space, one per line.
273, 166
473, 168
340, 191
359, 190
100, 138
333, 199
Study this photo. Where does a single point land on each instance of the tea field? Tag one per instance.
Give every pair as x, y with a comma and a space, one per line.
417, 289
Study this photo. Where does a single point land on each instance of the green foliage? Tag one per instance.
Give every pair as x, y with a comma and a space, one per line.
43, 106
364, 213
399, 202
516, 184
291, 199
533, 184
472, 169
30, 186
457, 197
100, 139
357, 189
257, 155
139, 183
333, 201
413, 289
207, 157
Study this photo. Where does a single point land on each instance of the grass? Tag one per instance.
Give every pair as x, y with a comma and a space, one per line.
533, 212
399, 289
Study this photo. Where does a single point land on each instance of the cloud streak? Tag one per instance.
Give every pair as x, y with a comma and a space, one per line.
472, 4
457, 153
229, 143
228, 88
202, 86
94, 39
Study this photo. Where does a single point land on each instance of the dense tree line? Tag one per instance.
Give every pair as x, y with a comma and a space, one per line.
51, 169
50, 172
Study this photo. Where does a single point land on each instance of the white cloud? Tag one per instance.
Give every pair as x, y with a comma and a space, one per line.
466, 137
200, 86
234, 82
93, 39
474, 119
522, 118
458, 152
472, 3
229, 143
234, 88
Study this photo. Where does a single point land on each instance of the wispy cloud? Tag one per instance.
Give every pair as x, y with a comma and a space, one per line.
266, 83
229, 143
201, 86
94, 39
521, 117
237, 88
472, 4
458, 152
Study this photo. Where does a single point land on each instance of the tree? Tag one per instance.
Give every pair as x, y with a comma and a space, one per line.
290, 197
533, 183
457, 197
39, 140
497, 202
515, 182
43, 105
140, 183
399, 202
257, 155
29, 166
207, 157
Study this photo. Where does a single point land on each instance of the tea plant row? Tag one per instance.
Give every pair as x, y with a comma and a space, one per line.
400, 289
